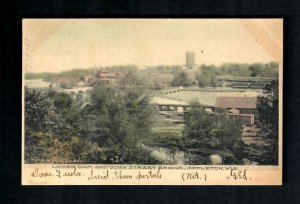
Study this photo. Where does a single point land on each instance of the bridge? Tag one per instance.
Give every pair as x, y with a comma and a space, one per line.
182, 107
174, 90
175, 110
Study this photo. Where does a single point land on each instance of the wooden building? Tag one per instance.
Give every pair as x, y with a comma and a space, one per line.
239, 108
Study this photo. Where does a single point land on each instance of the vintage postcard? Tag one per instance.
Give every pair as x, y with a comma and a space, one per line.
152, 101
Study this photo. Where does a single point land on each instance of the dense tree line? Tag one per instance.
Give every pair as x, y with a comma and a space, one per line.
254, 70
47, 76
207, 74
107, 131
268, 107
79, 72
164, 68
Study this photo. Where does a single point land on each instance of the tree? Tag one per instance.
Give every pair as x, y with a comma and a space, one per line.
256, 69
40, 112
62, 101
107, 131
79, 96
181, 79
270, 70
130, 78
207, 76
42, 121
42, 146
47, 147
212, 130
267, 106
49, 134
138, 107
116, 121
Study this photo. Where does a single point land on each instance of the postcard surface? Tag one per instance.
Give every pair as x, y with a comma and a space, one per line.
152, 101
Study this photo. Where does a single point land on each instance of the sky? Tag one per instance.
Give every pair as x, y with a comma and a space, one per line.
54, 45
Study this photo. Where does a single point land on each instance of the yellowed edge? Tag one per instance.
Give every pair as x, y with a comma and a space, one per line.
262, 175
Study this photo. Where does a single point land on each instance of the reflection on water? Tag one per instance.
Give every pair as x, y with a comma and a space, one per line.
172, 156
168, 156
204, 97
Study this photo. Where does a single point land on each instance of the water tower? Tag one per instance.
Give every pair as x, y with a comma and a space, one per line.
190, 59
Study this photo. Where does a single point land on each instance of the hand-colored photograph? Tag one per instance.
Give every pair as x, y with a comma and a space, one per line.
152, 91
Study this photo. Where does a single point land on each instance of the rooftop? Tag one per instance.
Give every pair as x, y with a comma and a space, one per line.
236, 102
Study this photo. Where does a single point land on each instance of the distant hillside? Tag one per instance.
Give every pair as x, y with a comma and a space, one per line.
47, 76
77, 73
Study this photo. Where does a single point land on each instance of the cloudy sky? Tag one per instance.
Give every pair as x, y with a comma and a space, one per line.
52, 45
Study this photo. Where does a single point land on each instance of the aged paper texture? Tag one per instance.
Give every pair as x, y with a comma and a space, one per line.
152, 101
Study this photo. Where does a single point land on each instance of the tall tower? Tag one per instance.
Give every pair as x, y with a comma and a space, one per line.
190, 59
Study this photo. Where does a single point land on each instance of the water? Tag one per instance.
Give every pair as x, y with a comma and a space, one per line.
166, 155
39, 83
76, 89
36, 83
174, 156
204, 97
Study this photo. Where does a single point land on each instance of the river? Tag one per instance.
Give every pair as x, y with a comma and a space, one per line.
203, 96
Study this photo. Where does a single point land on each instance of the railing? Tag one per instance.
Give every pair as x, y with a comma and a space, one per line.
173, 90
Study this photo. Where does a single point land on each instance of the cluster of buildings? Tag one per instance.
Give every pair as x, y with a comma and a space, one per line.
112, 78
238, 108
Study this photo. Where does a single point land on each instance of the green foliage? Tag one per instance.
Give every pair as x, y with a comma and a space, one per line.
138, 107
46, 124
181, 79
62, 101
107, 131
116, 120
163, 139
130, 78
47, 76
207, 76
164, 68
267, 106
42, 146
77, 73
68, 85
48, 147
235, 69
214, 130
40, 112
122, 117
255, 70
79, 96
